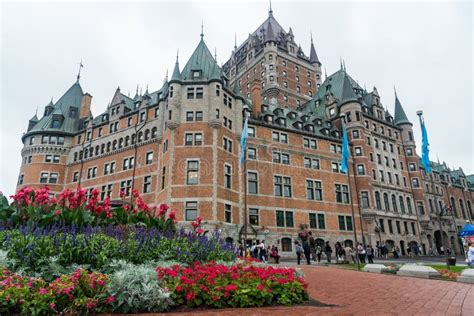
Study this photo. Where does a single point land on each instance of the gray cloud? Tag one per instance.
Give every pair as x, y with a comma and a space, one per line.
425, 49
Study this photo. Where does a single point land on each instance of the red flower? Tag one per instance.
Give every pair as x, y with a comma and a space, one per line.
52, 306
231, 288
57, 212
260, 287
110, 299
43, 291
190, 296
199, 231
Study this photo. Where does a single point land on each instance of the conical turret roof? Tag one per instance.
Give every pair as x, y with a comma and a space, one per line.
200, 61
400, 116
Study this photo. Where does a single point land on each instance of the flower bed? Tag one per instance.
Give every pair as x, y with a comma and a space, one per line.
215, 285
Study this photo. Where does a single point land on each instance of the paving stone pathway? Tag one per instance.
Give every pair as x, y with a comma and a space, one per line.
362, 293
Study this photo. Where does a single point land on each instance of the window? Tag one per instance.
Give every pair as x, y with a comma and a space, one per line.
286, 244
342, 193
228, 213
109, 168
394, 203
358, 151
345, 222
409, 207
415, 182
360, 170
282, 186
227, 145
190, 93
189, 116
149, 158
420, 208
190, 211
128, 163
314, 190
251, 153
75, 176
254, 218
311, 163
402, 204
390, 227
163, 177
317, 221
364, 196
378, 202
56, 123
192, 172
280, 137
251, 131
382, 225
106, 190
399, 231
252, 179
91, 172
409, 151
198, 116
227, 176
282, 158
147, 184
336, 167
53, 177
309, 143
412, 166
199, 93
355, 134
284, 219
129, 122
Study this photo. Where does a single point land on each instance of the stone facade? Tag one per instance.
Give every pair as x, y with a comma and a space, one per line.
181, 145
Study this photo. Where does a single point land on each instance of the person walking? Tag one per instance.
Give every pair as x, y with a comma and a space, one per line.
361, 253
307, 251
319, 252
370, 254
349, 253
470, 254
312, 246
328, 251
275, 255
299, 251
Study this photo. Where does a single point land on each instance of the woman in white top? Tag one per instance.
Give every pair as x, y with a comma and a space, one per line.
470, 254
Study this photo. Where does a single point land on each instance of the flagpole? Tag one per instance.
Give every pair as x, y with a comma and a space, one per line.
345, 156
243, 160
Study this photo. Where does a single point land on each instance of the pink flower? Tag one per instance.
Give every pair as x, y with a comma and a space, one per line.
43, 291
57, 212
110, 299
52, 306
199, 231
101, 282
231, 288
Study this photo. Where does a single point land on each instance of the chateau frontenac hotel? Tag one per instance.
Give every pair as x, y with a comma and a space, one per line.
180, 145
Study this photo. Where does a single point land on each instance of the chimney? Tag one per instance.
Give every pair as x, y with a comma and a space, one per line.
256, 95
85, 109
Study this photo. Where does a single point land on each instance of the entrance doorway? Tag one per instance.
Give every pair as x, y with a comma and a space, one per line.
437, 236
402, 247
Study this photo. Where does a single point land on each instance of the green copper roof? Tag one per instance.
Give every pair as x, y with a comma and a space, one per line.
348, 94
203, 61
176, 73
61, 109
400, 116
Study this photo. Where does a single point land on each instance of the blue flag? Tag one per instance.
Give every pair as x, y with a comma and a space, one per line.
425, 160
345, 152
243, 140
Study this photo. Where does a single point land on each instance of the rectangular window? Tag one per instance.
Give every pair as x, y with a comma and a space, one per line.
47, 158
358, 151
227, 176
314, 190
149, 158
199, 93
163, 177
44, 177
280, 219
189, 116
190, 211
254, 217
192, 172
342, 222
382, 225
251, 153
198, 139
75, 176
280, 137
336, 167
252, 179
227, 145
289, 219
397, 223
282, 186
53, 177
413, 228
309, 143
188, 139
360, 170
190, 93
342, 193
32, 140
365, 199
228, 213
390, 227
313, 221
321, 221
251, 131
198, 116
349, 223
147, 184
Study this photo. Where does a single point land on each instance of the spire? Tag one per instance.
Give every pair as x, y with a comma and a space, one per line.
348, 94
340, 60
236, 90
313, 57
270, 11
202, 30
146, 91
166, 76
400, 116
290, 32
79, 72
176, 73
235, 40
269, 34
325, 73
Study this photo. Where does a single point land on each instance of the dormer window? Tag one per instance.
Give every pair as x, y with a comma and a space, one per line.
196, 74
310, 127
269, 119
332, 111
72, 112
104, 117
281, 121
56, 123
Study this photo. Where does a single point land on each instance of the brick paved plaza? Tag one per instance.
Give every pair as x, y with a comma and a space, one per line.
361, 293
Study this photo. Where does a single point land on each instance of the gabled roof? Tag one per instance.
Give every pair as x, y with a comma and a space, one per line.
201, 60
400, 116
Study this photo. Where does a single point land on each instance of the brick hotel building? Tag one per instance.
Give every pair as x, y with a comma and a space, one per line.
180, 145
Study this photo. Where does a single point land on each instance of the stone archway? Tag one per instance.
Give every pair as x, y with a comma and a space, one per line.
349, 243
438, 245
403, 247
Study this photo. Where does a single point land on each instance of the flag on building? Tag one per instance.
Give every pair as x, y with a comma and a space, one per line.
243, 141
425, 160
345, 152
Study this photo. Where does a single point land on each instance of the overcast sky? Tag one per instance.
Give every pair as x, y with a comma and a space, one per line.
424, 49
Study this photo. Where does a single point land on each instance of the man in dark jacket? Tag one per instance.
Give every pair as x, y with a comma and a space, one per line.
328, 251
312, 246
307, 251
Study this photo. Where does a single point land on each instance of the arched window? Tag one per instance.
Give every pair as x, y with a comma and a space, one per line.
385, 202
134, 138
410, 209
286, 244
394, 203
140, 136
402, 204
108, 146
102, 148
86, 151
127, 140
114, 145
453, 207
153, 132
469, 208
378, 202
120, 143
97, 149
147, 134
463, 210
431, 205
